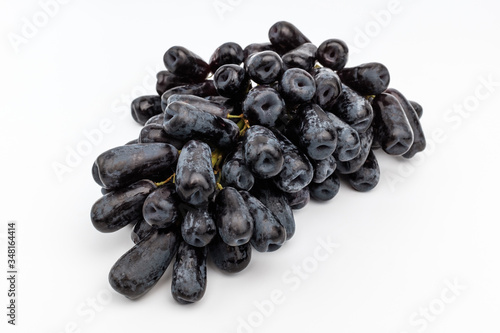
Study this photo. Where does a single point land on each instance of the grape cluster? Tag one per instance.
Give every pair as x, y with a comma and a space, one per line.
221, 161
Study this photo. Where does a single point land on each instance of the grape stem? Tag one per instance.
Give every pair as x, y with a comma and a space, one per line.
171, 178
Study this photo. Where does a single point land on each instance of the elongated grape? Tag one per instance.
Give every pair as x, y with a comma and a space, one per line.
268, 234
353, 165
262, 151
324, 168
124, 165
367, 79
303, 56
333, 53
201, 89
348, 144
263, 106
166, 80
234, 171
227, 53
185, 63
145, 107
200, 103
160, 207
234, 222
198, 227
140, 268
367, 177
194, 176
189, 277
326, 190
353, 109
284, 36
121, 207
328, 87
230, 259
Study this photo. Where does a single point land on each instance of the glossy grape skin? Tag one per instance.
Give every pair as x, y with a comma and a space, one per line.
419, 141
367, 177
348, 143
367, 79
284, 37
326, 190
333, 53
263, 106
233, 105
121, 207
160, 207
227, 53
202, 89
231, 81
418, 108
297, 86
276, 201
158, 119
140, 268
328, 87
256, 47
268, 234
353, 109
155, 133
324, 169
200, 103
264, 67
166, 80
140, 231
145, 107
230, 259
303, 57
198, 227
189, 276
262, 151
183, 62
313, 131
194, 177
391, 127
298, 200
124, 165
297, 170
234, 171
185, 122
232, 217
366, 140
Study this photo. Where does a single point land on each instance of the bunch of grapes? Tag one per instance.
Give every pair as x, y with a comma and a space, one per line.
221, 161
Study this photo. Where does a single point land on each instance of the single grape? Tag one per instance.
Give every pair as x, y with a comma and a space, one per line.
333, 53
233, 220
264, 67
367, 177
140, 268
304, 56
324, 169
284, 37
353, 109
231, 81
227, 53
145, 107
235, 173
121, 207
189, 277
194, 176
184, 63
198, 227
263, 106
328, 88
262, 151
200, 103
230, 259
367, 79
297, 86
166, 80
160, 207
326, 190
202, 89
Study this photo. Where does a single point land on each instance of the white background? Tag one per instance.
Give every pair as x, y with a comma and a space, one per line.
432, 222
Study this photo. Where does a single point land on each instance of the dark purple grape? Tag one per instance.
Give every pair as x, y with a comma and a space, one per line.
184, 63
367, 177
276, 201
264, 67
297, 86
268, 234
185, 122
328, 87
158, 119
160, 207
418, 108
303, 57
348, 144
233, 220
194, 176
298, 200
200, 103
121, 207
140, 231
367, 79
353, 109
313, 131
333, 53
326, 190
155, 133
145, 107
166, 80
324, 169
284, 37
391, 127
231, 81
262, 151
256, 47
140, 268
227, 53
189, 276
124, 165
202, 89
263, 106
235, 173
297, 170
198, 227
353, 165
230, 259
419, 141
